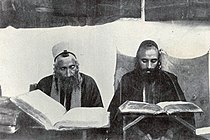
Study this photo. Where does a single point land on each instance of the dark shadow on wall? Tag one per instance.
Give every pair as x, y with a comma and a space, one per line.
165, 10
55, 13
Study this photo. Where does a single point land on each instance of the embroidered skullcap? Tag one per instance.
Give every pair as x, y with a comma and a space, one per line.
61, 48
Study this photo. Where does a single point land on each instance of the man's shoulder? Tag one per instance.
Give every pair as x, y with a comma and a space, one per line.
45, 84
46, 79
168, 74
88, 81
130, 74
86, 77
134, 73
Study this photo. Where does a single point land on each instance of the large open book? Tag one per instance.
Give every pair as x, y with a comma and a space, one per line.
162, 107
52, 115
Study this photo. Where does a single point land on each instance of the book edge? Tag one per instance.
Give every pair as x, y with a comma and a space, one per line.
44, 121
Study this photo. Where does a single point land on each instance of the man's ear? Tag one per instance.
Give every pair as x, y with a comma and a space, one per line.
54, 67
160, 51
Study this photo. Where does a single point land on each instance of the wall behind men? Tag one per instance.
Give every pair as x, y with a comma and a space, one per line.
25, 54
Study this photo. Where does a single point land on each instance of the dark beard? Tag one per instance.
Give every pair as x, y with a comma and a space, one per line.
68, 83
148, 71
149, 75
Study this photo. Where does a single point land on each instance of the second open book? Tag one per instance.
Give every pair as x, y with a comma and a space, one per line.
52, 115
169, 107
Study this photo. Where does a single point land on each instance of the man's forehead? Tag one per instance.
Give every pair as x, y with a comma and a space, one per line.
148, 51
66, 60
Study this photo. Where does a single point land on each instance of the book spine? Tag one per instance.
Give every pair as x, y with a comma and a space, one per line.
8, 119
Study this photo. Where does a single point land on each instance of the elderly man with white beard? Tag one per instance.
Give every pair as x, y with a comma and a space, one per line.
68, 85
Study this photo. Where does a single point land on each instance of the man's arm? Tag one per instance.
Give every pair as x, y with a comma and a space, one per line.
45, 85
178, 89
174, 90
91, 96
114, 104
189, 117
96, 96
117, 100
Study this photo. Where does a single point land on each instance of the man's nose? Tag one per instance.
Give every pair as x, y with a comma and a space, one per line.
68, 73
149, 65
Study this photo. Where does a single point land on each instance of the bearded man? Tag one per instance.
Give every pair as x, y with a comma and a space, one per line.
146, 83
68, 85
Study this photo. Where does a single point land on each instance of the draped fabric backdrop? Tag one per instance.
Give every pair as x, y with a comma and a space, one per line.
193, 77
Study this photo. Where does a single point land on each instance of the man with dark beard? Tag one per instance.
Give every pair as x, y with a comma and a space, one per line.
146, 83
67, 85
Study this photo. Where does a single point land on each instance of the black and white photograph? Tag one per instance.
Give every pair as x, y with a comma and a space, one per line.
104, 69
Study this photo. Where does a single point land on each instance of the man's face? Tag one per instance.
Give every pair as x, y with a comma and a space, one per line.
66, 67
148, 59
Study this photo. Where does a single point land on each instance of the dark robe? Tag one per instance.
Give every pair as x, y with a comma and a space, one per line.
90, 95
162, 86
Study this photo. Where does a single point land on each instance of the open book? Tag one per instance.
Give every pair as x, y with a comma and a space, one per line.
162, 107
52, 115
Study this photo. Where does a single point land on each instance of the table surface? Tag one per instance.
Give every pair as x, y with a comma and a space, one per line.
42, 134
138, 117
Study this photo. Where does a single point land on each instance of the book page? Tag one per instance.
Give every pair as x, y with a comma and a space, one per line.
40, 106
179, 106
84, 117
140, 107
204, 132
